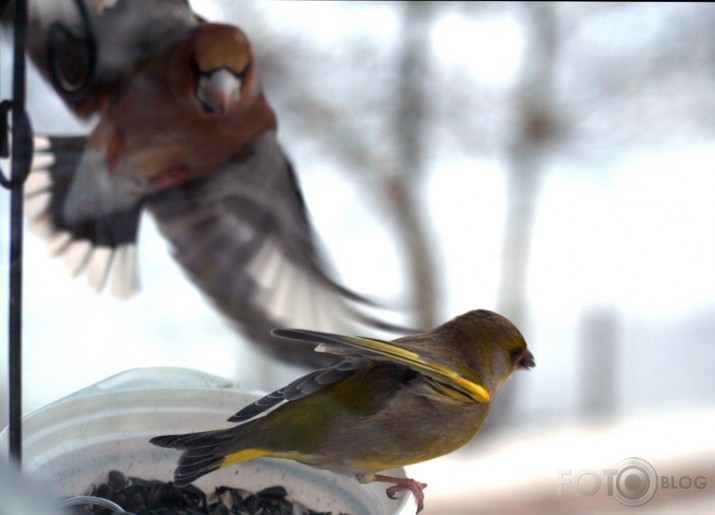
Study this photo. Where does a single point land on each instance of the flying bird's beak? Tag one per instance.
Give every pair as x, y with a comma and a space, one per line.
218, 91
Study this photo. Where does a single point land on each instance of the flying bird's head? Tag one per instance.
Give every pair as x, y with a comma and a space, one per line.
222, 66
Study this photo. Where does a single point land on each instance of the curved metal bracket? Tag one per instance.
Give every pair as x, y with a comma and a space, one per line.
59, 39
21, 148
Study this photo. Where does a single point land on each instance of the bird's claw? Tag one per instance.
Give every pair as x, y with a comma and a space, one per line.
403, 483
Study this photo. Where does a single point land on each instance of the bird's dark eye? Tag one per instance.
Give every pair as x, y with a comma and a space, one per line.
194, 66
515, 354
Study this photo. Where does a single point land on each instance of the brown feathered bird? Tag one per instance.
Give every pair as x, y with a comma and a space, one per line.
182, 129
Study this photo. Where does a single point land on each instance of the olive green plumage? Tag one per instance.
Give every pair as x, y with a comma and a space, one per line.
385, 405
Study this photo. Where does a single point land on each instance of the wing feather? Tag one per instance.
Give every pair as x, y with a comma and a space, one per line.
244, 237
301, 387
430, 366
102, 244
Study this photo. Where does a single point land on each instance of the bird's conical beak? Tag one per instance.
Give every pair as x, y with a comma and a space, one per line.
526, 360
219, 90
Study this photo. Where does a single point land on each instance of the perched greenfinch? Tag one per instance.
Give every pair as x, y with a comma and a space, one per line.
385, 405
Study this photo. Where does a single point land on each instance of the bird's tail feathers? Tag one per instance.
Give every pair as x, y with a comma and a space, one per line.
205, 452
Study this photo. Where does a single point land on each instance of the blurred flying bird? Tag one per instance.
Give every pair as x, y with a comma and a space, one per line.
182, 128
386, 405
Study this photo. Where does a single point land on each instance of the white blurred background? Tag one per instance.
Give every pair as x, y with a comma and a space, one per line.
554, 163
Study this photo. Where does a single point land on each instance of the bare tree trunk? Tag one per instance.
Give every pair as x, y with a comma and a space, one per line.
533, 98
401, 185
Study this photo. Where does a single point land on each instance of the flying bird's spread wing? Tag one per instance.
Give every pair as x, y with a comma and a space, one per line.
85, 194
103, 245
244, 237
184, 130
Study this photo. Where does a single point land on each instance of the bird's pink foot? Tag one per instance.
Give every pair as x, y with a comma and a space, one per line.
403, 483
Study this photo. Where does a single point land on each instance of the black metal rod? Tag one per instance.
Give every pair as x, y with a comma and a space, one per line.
15, 325
21, 158
18, 172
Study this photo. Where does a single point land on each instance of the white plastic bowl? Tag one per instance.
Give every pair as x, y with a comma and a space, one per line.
76, 441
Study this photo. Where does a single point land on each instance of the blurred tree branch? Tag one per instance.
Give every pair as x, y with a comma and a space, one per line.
536, 128
400, 187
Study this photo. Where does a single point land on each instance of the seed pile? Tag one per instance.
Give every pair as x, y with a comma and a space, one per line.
152, 497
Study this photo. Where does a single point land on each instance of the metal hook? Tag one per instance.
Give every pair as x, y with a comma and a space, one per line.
22, 146
61, 38
21, 128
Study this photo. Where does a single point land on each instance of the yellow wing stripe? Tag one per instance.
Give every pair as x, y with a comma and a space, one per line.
475, 391
479, 393
240, 456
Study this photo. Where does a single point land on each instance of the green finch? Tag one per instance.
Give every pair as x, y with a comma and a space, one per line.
385, 405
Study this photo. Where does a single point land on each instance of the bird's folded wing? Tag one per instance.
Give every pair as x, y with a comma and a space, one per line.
102, 243
299, 388
429, 366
